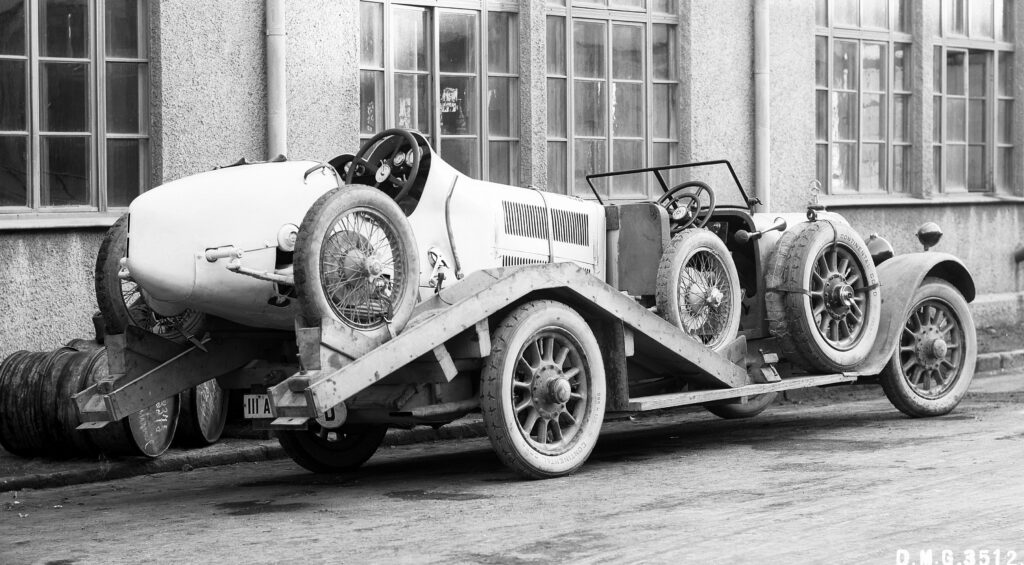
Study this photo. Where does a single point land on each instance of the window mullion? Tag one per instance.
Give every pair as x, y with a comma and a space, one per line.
483, 84
35, 189
435, 79
99, 153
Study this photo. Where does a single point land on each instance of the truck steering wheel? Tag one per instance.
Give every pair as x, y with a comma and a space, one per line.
684, 207
386, 168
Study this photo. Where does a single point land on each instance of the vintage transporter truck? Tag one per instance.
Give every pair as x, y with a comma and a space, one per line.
386, 288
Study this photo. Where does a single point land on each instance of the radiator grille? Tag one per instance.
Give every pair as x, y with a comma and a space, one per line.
528, 220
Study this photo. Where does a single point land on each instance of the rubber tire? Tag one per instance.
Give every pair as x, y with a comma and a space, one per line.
496, 390
682, 247
790, 318
752, 407
319, 456
115, 313
319, 218
898, 391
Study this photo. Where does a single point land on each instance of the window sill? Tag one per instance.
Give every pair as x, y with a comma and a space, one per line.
56, 220
892, 200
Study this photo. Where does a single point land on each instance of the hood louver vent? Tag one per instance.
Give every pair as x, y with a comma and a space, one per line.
528, 220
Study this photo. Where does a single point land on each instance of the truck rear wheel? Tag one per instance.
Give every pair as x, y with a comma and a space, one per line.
933, 364
543, 390
332, 451
355, 261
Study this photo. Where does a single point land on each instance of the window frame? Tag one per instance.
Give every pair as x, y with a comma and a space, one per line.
98, 212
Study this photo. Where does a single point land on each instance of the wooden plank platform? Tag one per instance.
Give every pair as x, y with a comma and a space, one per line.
643, 403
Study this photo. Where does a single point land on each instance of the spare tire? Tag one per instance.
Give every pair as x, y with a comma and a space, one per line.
822, 296
356, 262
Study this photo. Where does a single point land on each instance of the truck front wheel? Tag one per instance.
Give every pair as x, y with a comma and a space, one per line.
543, 390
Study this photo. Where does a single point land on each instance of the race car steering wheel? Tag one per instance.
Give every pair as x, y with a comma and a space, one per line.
684, 206
383, 171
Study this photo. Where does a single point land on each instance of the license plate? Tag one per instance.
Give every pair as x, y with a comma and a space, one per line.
257, 406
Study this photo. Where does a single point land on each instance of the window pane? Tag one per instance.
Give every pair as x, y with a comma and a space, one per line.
64, 28
844, 167
976, 167
627, 3
953, 15
664, 111
821, 61
590, 157
371, 34
874, 67
821, 115
937, 69
627, 110
462, 154
901, 18
872, 167
127, 94
901, 64
556, 107
126, 27
981, 18
556, 166
125, 159
937, 166
900, 169
502, 43
664, 154
627, 52
590, 111
589, 44
1004, 168
976, 121
411, 52
457, 49
956, 162
874, 14
821, 13
663, 6
937, 119
1006, 74
504, 162
956, 120
556, 45
1004, 122
65, 171
12, 22
628, 155
873, 117
844, 115
664, 52
13, 171
977, 77
371, 101
412, 102
955, 72
1006, 14
844, 12
844, 65
65, 93
821, 163
503, 106
13, 108
458, 105
900, 118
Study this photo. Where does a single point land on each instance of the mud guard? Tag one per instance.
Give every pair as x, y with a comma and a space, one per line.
899, 278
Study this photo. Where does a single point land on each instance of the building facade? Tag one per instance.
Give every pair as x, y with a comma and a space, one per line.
904, 111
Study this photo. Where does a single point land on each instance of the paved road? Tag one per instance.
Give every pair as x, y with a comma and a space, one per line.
853, 482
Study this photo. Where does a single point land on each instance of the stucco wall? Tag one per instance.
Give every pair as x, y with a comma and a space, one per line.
46, 288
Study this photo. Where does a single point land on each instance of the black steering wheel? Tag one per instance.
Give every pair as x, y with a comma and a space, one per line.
386, 169
684, 206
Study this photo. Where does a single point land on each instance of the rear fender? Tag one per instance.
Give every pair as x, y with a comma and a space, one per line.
899, 278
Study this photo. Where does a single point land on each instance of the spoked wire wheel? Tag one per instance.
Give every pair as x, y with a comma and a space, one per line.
934, 362
360, 269
838, 291
698, 288
356, 262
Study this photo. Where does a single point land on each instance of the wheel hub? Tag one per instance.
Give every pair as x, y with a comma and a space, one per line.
838, 296
551, 391
931, 348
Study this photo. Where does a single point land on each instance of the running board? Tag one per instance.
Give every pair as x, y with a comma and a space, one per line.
656, 402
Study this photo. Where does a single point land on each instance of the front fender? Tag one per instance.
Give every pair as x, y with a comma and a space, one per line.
899, 279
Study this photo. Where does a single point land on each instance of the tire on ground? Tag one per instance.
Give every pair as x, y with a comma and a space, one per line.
542, 390
752, 407
338, 228
332, 451
698, 288
932, 367
822, 297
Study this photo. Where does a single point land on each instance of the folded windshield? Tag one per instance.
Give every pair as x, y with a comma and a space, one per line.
719, 175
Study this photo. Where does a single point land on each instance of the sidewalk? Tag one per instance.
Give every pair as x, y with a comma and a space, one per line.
17, 473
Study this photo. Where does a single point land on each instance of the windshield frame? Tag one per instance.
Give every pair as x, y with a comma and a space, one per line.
664, 185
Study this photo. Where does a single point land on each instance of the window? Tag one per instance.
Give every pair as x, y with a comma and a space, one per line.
74, 104
972, 142
434, 71
863, 89
611, 91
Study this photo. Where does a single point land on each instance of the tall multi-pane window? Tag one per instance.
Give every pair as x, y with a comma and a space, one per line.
450, 73
973, 96
74, 104
611, 91
863, 90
